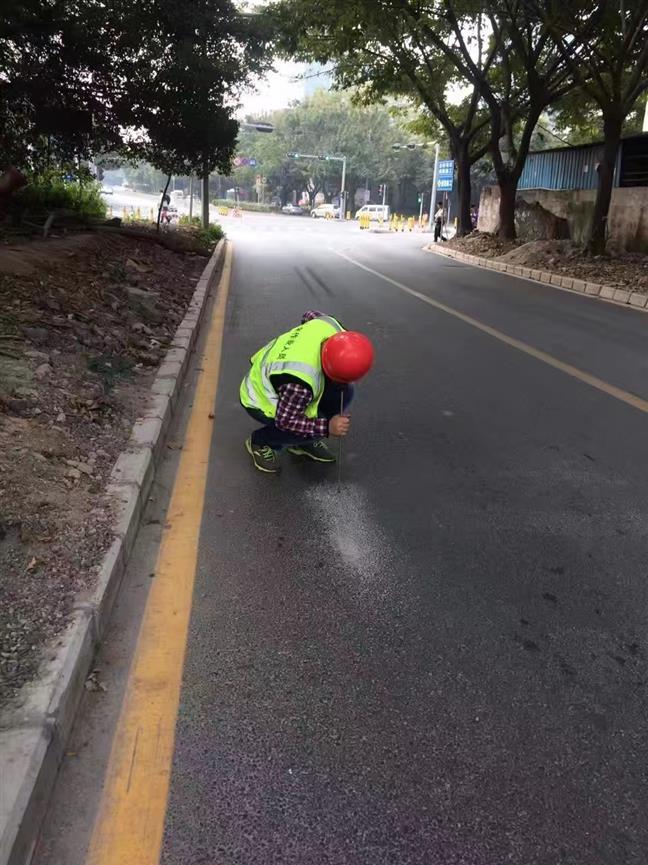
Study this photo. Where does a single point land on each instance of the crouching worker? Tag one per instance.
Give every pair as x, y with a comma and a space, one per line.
298, 388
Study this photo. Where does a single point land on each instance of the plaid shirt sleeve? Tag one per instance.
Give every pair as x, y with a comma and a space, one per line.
293, 402
310, 315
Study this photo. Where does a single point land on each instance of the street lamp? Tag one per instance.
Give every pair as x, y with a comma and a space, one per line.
261, 126
413, 146
258, 127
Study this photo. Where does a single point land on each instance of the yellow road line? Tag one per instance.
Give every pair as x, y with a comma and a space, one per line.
130, 822
604, 386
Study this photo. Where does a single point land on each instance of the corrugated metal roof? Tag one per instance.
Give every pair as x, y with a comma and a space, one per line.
567, 168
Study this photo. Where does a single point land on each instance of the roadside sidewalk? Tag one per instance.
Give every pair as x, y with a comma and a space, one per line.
624, 297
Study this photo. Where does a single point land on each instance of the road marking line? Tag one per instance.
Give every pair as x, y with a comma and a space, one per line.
591, 380
130, 822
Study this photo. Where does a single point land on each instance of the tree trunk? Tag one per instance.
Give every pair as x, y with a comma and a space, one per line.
598, 231
508, 190
464, 191
159, 216
205, 198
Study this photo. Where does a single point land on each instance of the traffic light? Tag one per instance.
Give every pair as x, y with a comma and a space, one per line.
380, 188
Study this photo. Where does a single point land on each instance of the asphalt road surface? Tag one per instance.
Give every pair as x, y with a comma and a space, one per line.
443, 661
120, 200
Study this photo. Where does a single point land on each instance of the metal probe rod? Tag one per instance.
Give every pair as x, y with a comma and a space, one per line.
339, 457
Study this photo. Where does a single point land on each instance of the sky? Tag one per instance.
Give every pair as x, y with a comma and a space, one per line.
280, 87
289, 81
275, 90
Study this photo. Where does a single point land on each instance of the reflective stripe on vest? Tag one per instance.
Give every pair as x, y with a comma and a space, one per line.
288, 366
295, 353
268, 391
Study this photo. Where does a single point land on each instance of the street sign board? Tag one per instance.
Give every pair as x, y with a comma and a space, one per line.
241, 161
445, 176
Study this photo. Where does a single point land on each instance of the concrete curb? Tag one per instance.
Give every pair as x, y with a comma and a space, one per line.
35, 728
620, 296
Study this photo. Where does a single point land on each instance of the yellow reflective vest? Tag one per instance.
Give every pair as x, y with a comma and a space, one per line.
296, 353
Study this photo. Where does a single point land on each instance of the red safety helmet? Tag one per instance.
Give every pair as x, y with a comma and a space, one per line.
347, 356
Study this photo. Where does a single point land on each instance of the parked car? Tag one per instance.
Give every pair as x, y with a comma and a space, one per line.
375, 211
322, 210
292, 209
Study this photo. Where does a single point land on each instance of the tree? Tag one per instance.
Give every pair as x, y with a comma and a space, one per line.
499, 48
605, 46
331, 123
185, 81
526, 76
149, 79
55, 82
577, 119
394, 56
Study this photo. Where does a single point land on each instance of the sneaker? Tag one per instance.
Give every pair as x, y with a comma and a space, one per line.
315, 450
263, 457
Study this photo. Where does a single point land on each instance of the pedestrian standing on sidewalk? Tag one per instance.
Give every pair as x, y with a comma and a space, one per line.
299, 386
438, 222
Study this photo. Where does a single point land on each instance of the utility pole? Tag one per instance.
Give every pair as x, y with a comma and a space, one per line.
434, 186
191, 198
413, 146
384, 201
205, 199
326, 158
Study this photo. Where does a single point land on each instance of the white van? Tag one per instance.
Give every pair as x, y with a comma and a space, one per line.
375, 211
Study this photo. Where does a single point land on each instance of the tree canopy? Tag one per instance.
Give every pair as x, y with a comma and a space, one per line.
485, 72
605, 48
331, 123
150, 79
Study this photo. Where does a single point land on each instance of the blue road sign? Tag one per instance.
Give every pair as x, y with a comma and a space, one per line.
445, 176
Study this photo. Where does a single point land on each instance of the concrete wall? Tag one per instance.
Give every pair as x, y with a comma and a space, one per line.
551, 213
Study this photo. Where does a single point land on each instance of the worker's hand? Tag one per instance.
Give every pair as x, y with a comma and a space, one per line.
339, 425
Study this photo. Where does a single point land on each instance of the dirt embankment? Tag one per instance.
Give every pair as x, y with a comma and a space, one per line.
84, 324
628, 271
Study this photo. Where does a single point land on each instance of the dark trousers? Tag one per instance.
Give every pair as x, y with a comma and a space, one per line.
270, 434
438, 225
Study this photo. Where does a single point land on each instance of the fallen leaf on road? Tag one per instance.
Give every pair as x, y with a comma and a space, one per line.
32, 564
